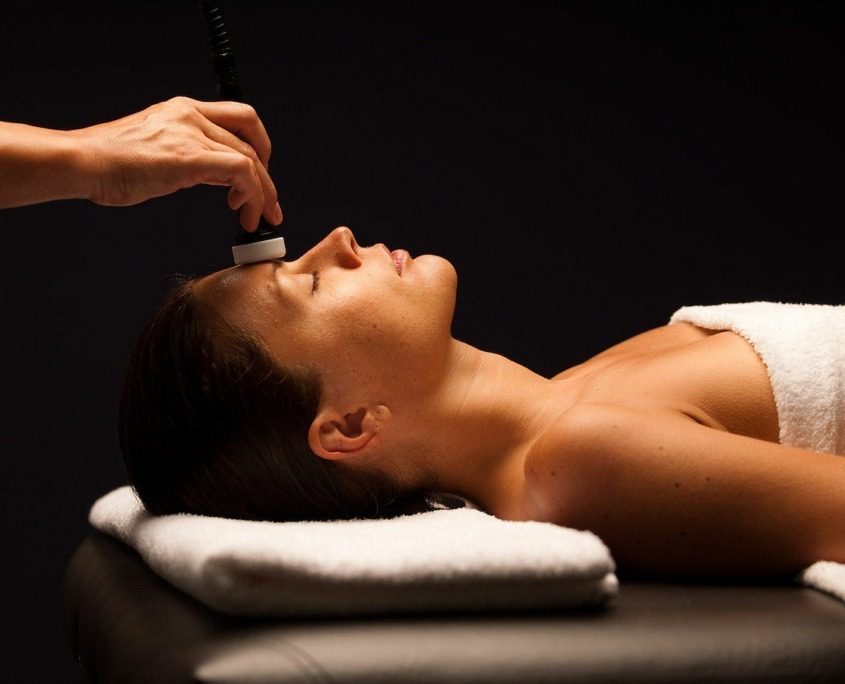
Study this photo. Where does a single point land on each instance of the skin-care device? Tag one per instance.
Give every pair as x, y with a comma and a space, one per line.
266, 242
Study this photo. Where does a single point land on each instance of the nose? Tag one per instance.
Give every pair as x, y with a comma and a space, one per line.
338, 247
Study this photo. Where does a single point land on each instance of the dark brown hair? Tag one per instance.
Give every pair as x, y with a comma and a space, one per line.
210, 424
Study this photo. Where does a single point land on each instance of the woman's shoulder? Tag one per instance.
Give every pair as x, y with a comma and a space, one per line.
587, 426
579, 441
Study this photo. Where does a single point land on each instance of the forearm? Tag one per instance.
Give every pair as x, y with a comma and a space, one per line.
39, 165
169, 146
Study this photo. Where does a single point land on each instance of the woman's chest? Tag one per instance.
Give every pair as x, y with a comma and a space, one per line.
717, 379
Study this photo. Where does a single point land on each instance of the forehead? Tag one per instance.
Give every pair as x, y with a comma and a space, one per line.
237, 289
225, 278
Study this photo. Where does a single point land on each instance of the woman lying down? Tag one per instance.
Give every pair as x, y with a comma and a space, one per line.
331, 387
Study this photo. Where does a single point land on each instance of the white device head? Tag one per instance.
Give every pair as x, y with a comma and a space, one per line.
261, 250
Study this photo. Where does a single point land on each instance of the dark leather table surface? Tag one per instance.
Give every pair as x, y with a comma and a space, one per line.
128, 626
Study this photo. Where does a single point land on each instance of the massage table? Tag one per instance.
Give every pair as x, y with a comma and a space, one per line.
126, 625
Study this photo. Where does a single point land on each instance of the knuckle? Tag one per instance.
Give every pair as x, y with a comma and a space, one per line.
245, 166
181, 108
181, 105
247, 110
249, 151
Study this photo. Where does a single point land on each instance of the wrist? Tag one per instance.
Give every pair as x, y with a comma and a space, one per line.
40, 165
76, 164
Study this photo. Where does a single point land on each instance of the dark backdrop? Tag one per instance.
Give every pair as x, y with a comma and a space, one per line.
587, 166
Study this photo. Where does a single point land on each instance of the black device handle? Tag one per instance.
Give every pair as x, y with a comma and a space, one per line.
228, 88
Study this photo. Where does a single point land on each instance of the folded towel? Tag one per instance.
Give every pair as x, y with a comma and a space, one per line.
803, 349
454, 559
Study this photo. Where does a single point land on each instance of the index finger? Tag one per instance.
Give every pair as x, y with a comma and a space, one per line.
242, 120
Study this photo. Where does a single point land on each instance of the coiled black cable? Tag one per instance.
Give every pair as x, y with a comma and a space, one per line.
222, 56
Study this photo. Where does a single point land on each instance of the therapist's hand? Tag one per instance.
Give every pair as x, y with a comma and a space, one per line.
177, 144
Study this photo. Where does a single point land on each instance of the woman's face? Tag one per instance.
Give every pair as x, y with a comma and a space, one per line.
361, 316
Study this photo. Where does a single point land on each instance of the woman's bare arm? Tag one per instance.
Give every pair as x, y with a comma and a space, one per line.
672, 497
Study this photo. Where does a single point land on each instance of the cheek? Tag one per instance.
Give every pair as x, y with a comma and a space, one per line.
355, 337
376, 318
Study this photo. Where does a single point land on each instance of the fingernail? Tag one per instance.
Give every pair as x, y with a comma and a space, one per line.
277, 214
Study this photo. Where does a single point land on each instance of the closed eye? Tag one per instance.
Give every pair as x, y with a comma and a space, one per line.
315, 281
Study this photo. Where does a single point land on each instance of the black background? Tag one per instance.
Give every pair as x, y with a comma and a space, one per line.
587, 166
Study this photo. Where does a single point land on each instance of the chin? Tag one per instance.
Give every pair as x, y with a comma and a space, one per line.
440, 278
439, 270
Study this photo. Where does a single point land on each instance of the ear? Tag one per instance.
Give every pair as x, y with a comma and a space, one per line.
336, 435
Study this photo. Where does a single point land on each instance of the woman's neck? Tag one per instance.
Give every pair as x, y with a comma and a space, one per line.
471, 434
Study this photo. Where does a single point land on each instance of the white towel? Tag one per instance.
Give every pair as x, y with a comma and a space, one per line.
803, 349
455, 559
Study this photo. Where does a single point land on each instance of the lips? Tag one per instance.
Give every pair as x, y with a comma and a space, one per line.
399, 256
